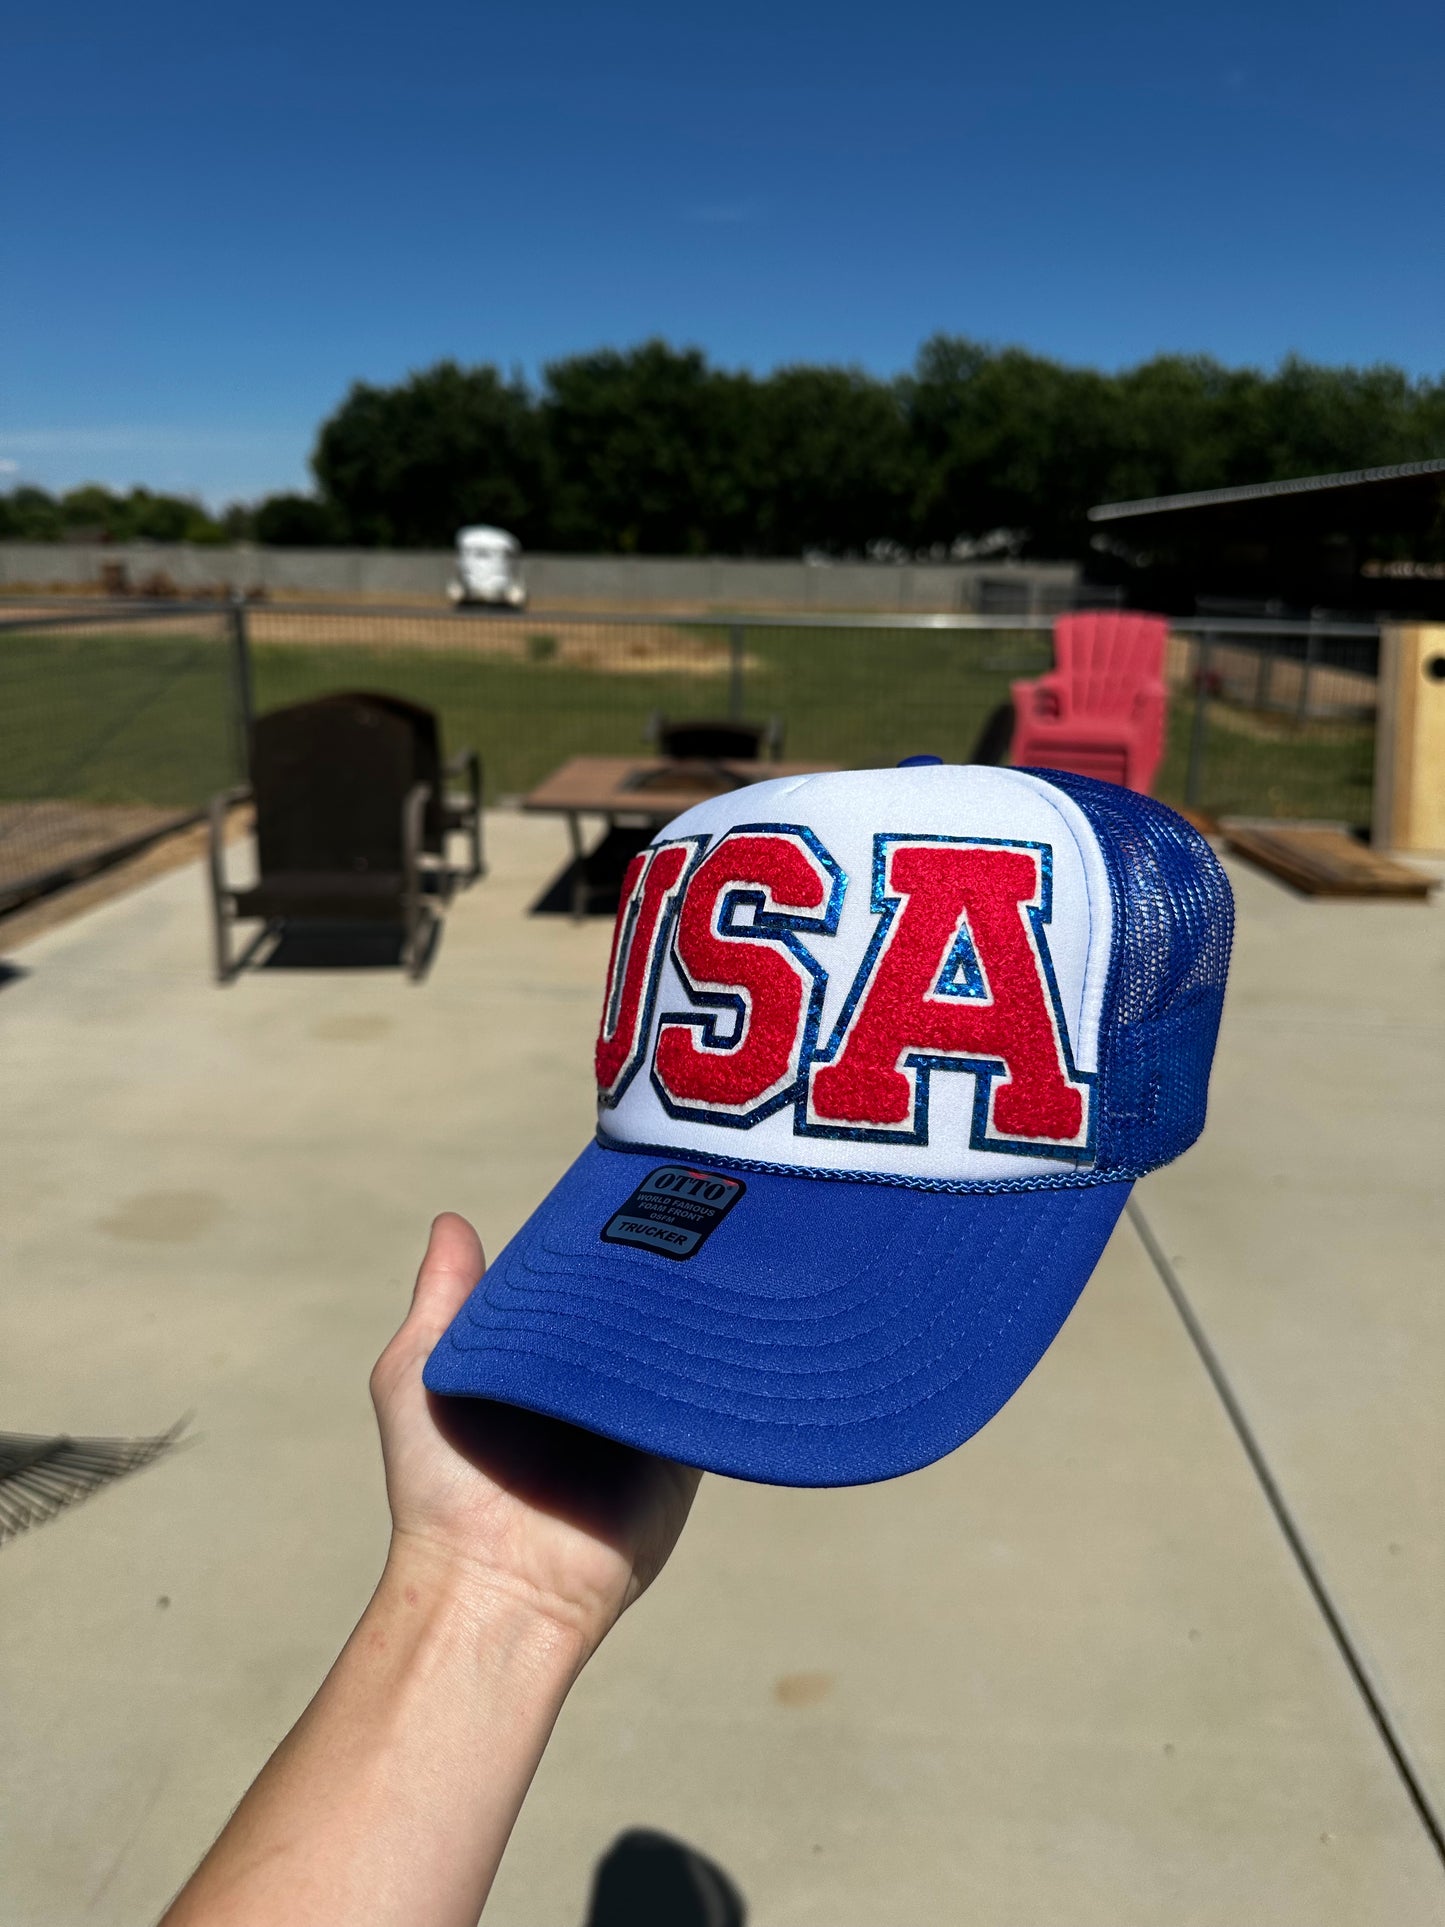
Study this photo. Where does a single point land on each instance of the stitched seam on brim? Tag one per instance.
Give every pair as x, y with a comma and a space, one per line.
796, 1424
609, 1352
922, 1291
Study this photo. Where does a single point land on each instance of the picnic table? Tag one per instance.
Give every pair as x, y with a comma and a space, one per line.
639, 791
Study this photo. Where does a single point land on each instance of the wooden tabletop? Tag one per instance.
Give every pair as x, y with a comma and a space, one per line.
649, 786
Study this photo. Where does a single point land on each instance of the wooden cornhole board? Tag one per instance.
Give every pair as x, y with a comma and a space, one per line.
1323, 861
1409, 812
1201, 820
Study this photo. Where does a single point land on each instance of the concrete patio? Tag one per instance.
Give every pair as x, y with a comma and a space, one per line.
1073, 1676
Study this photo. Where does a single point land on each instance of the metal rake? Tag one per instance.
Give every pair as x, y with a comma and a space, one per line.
41, 1476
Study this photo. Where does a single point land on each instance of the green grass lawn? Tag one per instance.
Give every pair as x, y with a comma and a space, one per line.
859, 698
144, 717
1270, 765
854, 698
115, 718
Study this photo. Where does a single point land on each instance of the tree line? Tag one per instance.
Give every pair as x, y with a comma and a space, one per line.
34, 515
653, 450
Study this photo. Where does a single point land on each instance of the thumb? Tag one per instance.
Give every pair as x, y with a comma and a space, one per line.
453, 1263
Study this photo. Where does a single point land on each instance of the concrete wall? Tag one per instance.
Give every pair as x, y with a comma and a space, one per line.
557, 581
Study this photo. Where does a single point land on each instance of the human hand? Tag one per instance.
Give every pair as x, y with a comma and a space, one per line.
516, 1542
570, 1525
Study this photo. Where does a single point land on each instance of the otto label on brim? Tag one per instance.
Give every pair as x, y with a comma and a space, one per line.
674, 1211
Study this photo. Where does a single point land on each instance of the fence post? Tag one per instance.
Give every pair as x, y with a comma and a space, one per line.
1311, 648
735, 673
245, 709
1194, 777
1264, 674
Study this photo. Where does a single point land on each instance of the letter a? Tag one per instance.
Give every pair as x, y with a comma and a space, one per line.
906, 1014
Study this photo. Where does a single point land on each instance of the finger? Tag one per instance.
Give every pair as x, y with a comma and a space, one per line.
453, 1263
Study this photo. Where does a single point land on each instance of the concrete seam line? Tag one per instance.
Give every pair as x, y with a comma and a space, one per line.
1394, 1742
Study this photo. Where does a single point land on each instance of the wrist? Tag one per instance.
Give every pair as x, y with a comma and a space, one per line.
475, 1607
392, 1798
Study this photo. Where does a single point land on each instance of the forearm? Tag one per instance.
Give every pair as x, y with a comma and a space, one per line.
390, 1802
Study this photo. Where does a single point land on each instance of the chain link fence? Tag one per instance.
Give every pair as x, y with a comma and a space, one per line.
530, 691
118, 723
1273, 720
115, 727
1264, 719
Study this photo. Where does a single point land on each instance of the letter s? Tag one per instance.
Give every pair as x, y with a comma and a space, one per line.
755, 973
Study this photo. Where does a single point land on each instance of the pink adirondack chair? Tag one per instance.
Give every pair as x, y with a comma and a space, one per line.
1100, 710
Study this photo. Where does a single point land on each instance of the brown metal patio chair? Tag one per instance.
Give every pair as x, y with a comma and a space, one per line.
340, 828
448, 809
705, 739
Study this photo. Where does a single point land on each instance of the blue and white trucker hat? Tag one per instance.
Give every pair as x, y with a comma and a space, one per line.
881, 1053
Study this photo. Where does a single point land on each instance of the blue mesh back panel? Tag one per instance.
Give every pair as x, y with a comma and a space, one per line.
1173, 927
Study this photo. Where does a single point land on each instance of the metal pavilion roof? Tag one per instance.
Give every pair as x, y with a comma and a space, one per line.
1262, 491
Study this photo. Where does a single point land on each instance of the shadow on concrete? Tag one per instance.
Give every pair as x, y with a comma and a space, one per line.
648, 1879
305, 945
602, 871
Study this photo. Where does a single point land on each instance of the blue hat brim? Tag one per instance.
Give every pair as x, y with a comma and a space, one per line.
828, 1331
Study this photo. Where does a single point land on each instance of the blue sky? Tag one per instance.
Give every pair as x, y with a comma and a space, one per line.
213, 223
